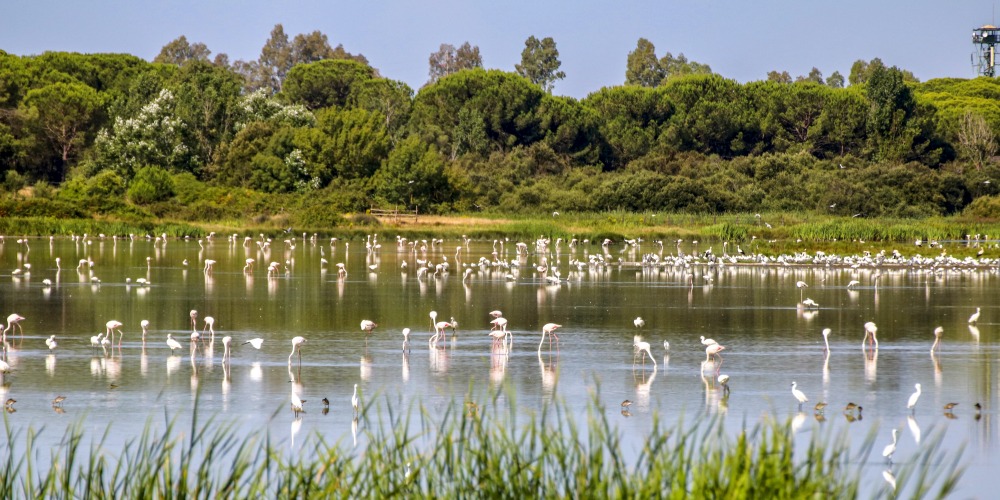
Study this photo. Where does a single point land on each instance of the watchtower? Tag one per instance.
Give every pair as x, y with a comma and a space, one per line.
984, 59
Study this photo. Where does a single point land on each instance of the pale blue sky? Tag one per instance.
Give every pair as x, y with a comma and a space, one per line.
738, 39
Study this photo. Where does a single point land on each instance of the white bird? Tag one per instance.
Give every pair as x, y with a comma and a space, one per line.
912, 403
368, 325
799, 395
937, 338
296, 347
724, 382
51, 342
826, 334
144, 324
226, 354
801, 285
890, 448
705, 341
640, 348
972, 319
639, 322
406, 338
870, 330
666, 345
172, 343
297, 404
256, 343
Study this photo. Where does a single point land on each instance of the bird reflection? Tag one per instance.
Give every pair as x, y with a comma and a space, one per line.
974, 331
890, 478
173, 363
256, 373
937, 369
911, 422
50, 364
296, 426
798, 421
549, 374
354, 430
871, 365
406, 367
366, 367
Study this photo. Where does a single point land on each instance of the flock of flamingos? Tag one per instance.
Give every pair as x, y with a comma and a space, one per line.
501, 336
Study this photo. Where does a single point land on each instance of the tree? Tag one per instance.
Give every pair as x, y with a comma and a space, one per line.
154, 137
835, 80
413, 176
540, 62
64, 113
642, 68
179, 51
673, 67
775, 76
448, 60
862, 70
815, 76
326, 83
275, 60
976, 141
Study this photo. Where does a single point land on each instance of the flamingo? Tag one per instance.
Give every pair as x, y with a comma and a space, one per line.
937, 338
13, 321
210, 326
496, 314
296, 347
111, 327
911, 404
144, 324
225, 346
870, 329
367, 326
548, 329
640, 348
890, 448
713, 350
800, 285
799, 395
972, 319
172, 343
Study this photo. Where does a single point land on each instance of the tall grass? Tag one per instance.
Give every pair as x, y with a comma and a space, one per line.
487, 453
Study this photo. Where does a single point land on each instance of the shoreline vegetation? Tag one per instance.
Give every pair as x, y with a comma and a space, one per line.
467, 451
766, 234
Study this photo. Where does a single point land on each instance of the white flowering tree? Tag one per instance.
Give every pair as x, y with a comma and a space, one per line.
154, 137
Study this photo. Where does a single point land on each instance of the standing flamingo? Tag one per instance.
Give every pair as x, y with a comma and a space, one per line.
226, 355
640, 348
144, 324
800, 285
111, 327
210, 326
296, 347
13, 321
548, 329
367, 326
870, 330
713, 350
937, 339
639, 322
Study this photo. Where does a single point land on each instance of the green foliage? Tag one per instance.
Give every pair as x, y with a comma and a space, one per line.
102, 193
540, 62
326, 83
64, 114
150, 185
413, 176
13, 181
356, 142
448, 60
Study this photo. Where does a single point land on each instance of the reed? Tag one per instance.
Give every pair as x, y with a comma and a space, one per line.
468, 451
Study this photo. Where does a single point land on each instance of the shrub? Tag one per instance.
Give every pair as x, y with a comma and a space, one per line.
150, 185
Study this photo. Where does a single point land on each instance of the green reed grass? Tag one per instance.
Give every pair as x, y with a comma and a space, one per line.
488, 451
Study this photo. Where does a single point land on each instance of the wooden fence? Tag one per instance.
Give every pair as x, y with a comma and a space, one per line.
394, 213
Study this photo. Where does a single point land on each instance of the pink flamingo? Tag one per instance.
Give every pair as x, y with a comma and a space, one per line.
549, 329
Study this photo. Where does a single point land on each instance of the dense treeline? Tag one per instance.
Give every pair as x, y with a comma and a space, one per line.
314, 131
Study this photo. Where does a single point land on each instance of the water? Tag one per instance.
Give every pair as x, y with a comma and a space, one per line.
751, 310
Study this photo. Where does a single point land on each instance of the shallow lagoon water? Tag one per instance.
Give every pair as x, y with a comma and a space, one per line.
751, 309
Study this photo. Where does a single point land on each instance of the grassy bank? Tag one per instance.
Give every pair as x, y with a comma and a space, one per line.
772, 232
478, 453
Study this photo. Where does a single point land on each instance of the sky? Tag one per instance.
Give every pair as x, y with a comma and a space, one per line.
739, 39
